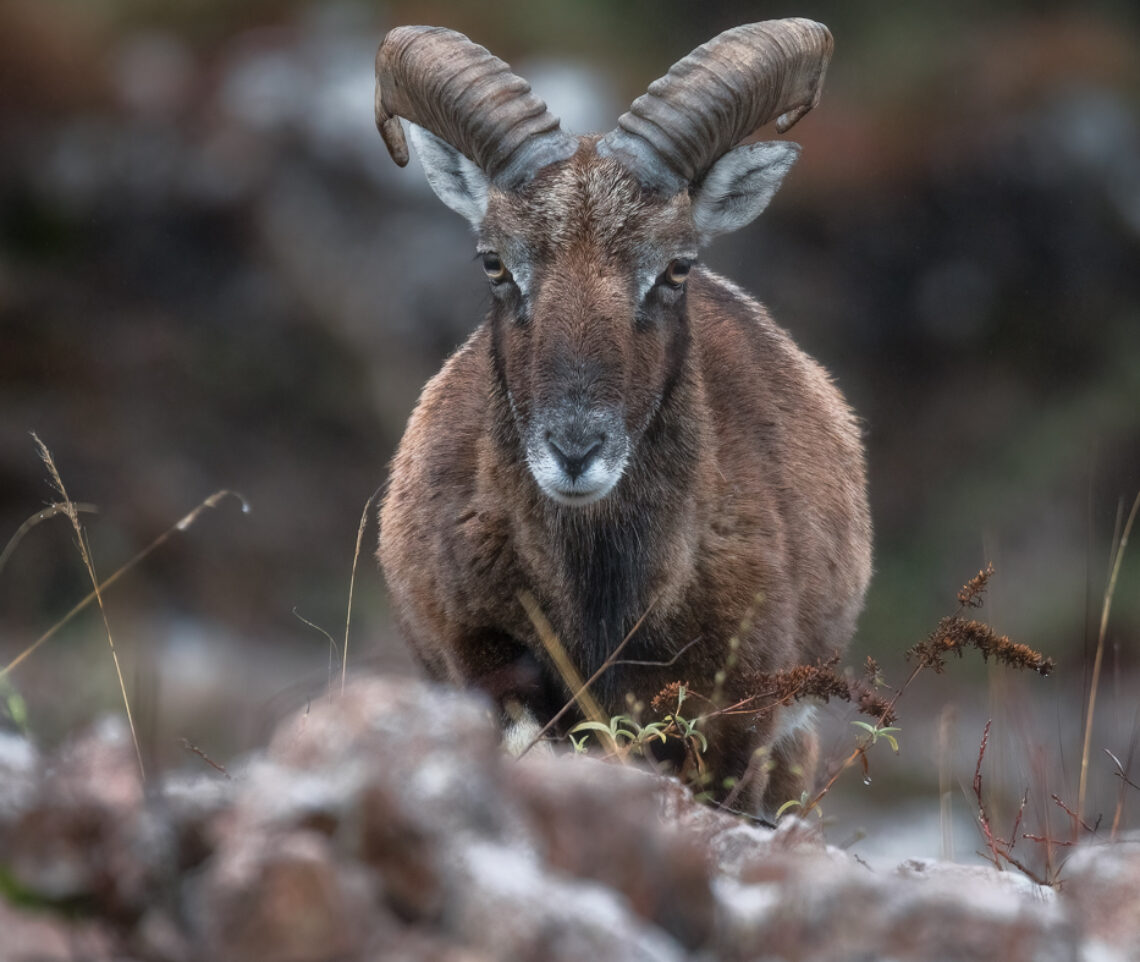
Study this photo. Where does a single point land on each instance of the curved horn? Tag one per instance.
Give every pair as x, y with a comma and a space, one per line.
719, 94
440, 80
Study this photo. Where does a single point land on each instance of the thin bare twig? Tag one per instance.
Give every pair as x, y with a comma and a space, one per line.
983, 819
609, 663
860, 750
333, 648
202, 755
1047, 840
1017, 821
1000, 849
1120, 770
1078, 822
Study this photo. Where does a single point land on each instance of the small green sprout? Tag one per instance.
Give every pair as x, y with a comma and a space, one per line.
800, 802
578, 743
12, 705
620, 726
876, 733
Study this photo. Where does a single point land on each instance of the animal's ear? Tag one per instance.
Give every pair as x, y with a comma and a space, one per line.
740, 185
455, 179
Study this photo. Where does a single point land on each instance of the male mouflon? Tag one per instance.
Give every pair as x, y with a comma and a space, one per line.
626, 435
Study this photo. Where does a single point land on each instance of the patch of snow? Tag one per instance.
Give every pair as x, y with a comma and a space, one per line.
748, 906
1094, 950
589, 920
19, 761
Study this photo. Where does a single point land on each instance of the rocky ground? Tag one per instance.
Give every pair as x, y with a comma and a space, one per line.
388, 824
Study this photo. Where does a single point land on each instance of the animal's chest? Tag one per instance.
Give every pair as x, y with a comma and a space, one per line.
595, 580
592, 592
482, 562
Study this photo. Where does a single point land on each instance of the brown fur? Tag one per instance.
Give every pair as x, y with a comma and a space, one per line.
744, 489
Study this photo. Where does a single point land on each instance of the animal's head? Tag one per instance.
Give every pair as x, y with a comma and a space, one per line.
587, 242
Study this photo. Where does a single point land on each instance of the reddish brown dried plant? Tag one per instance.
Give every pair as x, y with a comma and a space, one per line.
970, 594
821, 681
666, 699
954, 634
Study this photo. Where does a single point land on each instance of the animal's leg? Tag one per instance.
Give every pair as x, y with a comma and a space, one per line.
791, 772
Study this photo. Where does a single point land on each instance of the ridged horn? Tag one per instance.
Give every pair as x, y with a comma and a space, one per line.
463, 94
718, 95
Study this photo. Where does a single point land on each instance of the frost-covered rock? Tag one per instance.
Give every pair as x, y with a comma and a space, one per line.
388, 823
84, 831
1102, 889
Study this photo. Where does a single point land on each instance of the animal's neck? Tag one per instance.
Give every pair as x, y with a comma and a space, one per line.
598, 569
615, 557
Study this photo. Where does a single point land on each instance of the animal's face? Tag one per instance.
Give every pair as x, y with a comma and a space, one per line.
587, 242
587, 272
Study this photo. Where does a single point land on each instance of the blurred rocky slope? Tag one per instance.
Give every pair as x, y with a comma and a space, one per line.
387, 823
211, 276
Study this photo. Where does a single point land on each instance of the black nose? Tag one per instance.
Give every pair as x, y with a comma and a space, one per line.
573, 454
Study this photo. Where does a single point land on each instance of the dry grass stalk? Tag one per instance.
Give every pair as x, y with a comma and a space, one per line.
1094, 685
717, 697
85, 553
553, 645
582, 689
756, 764
181, 525
946, 722
49, 512
352, 584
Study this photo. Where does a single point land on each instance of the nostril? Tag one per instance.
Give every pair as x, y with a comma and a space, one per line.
575, 456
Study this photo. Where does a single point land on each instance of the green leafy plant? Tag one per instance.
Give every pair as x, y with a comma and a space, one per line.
13, 706
874, 732
800, 803
619, 727
625, 731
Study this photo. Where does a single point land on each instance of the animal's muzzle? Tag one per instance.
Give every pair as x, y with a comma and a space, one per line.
574, 450
578, 456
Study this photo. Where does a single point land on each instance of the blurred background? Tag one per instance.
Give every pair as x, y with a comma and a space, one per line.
212, 276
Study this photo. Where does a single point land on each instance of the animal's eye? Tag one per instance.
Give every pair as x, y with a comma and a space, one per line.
494, 266
678, 271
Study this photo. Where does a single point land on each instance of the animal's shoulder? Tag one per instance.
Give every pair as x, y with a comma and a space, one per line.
434, 476
449, 418
743, 352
